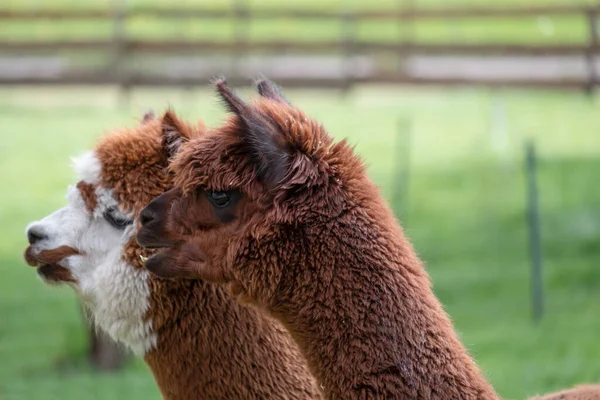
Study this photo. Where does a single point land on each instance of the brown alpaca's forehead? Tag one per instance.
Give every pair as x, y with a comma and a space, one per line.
215, 162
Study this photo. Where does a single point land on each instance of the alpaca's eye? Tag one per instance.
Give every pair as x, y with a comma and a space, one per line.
117, 221
220, 199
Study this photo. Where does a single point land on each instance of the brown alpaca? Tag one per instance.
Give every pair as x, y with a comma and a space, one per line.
269, 205
581, 392
198, 342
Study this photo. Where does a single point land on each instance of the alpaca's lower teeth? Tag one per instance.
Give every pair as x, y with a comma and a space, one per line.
144, 259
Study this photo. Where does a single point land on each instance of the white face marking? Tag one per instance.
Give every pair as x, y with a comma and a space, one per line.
116, 293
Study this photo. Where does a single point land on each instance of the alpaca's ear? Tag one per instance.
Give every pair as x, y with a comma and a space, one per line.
231, 100
174, 133
265, 143
148, 116
268, 89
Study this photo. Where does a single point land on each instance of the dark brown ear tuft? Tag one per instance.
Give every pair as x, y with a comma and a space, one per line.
148, 116
232, 101
173, 133
265, 143
270, 90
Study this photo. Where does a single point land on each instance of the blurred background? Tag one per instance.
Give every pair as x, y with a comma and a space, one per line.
479, 120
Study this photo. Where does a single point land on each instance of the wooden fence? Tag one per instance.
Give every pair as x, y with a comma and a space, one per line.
122, 48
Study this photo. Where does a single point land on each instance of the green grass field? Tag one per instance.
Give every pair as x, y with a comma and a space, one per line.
464, 208
547, 29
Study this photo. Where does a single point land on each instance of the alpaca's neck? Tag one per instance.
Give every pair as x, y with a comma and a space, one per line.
209, 346
369, 323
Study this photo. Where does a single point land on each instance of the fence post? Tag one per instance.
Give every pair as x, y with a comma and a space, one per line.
535, 245
241, 25
104, 354
592, 16
406, 30
402, 160
120, 50
348, 48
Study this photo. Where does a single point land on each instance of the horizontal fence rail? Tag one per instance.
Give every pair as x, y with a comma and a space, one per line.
342, 63
185, 13
167, 46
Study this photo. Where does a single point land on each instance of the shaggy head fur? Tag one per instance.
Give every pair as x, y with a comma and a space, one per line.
198, 342
271, 206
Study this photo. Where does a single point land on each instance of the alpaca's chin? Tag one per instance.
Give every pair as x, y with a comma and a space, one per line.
55, 274
159, 264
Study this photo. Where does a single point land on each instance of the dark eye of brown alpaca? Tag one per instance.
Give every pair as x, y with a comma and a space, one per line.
220, 199
117, 221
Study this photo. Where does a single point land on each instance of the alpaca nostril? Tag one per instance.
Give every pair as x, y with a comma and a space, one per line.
34, 236
146, 216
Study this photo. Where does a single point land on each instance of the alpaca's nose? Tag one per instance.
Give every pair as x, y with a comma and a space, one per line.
34, 235
146, 216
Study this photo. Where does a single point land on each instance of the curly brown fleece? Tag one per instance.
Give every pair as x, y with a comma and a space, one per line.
307, 237
209, 346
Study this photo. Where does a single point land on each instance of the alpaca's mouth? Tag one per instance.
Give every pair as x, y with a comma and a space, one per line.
147, 255
157, 252
46, 262
154, 258
34, 259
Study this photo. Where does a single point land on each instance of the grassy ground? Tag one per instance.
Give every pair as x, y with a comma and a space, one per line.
463, 206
